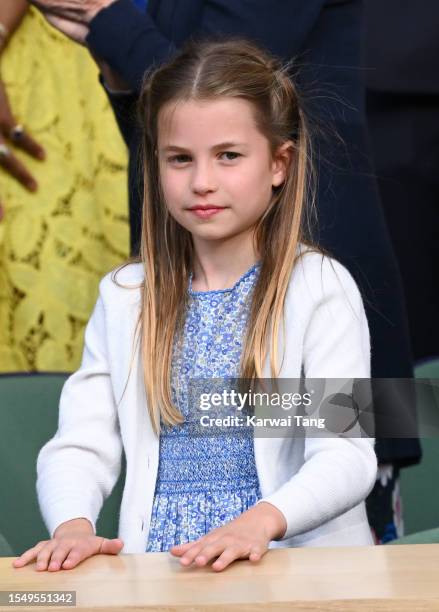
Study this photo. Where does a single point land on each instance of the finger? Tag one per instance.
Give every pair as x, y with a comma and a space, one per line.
73, 14
111, 547
180, 549
226, 558
19, 171
75, 556
58, 555
29, 555
43, 557
25, 141
191, 553
256, 553
74, 30
213, 550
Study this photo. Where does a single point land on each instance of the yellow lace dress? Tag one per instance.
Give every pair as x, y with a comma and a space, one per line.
57, 243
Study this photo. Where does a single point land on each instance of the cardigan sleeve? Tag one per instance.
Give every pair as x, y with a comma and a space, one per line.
79, 466
338, 473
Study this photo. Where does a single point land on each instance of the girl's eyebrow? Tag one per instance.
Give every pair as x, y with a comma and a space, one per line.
221, 145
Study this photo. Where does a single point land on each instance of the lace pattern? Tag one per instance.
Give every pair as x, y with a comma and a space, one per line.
57, 243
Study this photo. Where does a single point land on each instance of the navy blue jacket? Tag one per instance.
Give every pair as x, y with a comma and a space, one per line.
325, 36
411, 52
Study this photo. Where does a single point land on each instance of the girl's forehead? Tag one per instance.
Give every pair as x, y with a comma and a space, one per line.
207, 117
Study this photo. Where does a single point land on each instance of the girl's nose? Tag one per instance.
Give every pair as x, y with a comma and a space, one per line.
203, 178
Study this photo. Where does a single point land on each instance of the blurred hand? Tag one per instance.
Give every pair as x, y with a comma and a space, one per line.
21, 139
72, 29
246, 537
71, 544
81, 11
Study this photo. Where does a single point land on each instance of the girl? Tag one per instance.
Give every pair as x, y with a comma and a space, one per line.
227, 286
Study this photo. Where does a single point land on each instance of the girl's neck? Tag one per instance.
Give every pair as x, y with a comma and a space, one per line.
220, 266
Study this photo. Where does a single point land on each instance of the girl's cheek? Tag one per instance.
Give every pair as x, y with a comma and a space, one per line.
173, 186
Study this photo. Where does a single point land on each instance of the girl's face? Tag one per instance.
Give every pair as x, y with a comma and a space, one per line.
216, 168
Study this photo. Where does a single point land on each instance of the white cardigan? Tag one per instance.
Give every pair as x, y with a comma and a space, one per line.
319, 484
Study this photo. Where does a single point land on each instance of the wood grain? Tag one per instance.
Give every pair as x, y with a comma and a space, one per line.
378, 579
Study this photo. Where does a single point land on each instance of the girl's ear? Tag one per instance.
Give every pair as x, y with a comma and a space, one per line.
281, 162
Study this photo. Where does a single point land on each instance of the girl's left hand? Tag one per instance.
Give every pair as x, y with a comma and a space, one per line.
246, 537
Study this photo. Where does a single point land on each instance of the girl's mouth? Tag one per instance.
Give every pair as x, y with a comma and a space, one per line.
205, 212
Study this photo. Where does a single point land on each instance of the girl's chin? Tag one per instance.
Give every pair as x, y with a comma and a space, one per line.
214, 231
218, 235
210, 236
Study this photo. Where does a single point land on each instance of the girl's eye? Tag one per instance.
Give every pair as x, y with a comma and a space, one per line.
179, 159
231, 155
183, 158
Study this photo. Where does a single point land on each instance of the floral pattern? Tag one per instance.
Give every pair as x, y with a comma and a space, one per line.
204, 481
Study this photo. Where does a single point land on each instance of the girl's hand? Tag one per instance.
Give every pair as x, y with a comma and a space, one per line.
72, 543
246, 537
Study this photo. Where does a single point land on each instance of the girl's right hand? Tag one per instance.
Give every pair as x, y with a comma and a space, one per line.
66, 551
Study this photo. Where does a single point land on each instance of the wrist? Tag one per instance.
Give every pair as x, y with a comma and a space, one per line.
76, 526
273, 519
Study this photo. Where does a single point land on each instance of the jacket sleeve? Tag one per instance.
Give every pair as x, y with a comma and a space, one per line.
338, 473
131, 42
79, 466
125, 111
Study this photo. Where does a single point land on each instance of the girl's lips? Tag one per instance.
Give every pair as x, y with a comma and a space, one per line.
205, 213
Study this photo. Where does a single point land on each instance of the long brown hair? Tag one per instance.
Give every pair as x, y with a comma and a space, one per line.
207, 70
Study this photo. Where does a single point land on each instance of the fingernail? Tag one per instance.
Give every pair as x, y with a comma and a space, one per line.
41, 154
33, 185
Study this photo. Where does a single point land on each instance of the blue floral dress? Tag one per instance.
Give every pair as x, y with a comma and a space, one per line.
204, 481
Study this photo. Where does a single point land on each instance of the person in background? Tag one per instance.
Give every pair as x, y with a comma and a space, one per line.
326, 38
228, 284
11, 132
403, 110
64, 220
